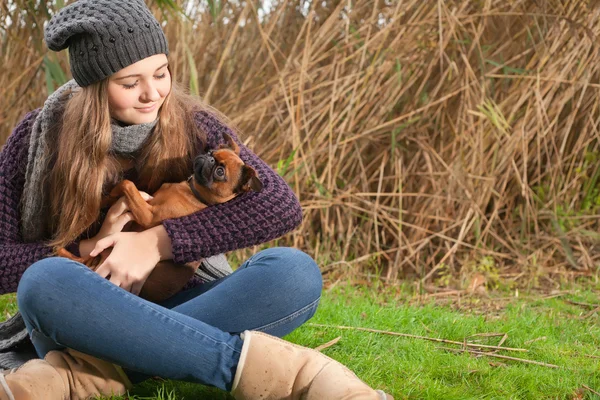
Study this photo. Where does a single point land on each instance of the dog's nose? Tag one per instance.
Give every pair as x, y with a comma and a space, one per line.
205, 158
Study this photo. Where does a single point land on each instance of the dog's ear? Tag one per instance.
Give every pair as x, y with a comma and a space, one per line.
249, 180
230, 144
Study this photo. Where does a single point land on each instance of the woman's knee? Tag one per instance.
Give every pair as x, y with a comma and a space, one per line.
294, 266
44, 280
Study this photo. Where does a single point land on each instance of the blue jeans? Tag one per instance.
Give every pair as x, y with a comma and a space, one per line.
193, 336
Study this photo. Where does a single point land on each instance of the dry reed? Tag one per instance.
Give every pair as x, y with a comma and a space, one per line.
424, 138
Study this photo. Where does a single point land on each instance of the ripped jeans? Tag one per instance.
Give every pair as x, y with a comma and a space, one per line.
193, 336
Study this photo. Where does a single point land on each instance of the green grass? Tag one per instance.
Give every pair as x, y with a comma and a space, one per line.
419, 369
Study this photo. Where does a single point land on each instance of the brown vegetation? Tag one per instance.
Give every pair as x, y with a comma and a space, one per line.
430, 138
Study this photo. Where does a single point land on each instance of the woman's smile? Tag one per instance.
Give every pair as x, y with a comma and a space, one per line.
148, 109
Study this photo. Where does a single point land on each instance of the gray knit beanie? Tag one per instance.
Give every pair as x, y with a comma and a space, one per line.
105, 36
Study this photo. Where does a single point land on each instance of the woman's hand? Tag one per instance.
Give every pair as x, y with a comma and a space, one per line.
117, 217
134, 255
130, 262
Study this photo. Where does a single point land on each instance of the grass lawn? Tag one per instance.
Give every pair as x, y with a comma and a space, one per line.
559, 329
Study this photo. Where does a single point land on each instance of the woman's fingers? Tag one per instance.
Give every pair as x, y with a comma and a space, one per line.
125, 282
103, 270
146, 196
121, 206
136, 288
130, 249
118, 208
103, 244
122, 220
126, 286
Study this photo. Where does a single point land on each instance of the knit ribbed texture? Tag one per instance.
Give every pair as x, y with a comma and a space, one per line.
248, 220
130, 138
105, 36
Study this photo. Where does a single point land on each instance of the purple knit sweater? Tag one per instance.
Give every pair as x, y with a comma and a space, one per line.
247, 220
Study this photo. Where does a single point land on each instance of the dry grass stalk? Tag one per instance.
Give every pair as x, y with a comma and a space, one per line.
591, 390
464, 343
417, 135
535, 340
590, 313
328, 344
483, 353
588, 305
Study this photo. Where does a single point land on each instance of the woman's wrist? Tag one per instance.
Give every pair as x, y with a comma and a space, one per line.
159, 237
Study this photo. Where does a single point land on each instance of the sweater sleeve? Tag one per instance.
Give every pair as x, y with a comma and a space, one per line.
247, 220
15, 255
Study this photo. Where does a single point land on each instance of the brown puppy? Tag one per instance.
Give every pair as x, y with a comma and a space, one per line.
218, 176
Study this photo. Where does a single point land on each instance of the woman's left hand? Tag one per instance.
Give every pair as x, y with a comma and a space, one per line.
133, 257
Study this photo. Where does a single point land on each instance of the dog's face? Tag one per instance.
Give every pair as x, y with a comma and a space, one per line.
221, 175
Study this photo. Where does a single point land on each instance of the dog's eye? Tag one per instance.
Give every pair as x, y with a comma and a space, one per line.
220, 172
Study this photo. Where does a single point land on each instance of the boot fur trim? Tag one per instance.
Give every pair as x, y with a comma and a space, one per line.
238, 373
6, 388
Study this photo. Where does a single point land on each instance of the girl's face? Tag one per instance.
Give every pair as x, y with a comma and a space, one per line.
136, 93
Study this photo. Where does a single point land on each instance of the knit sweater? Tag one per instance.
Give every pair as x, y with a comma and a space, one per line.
247, 220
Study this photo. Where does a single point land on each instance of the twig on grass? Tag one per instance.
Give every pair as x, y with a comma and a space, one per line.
591, 390
483, 353
595, 310
552, 296
492, 334
427, 328
328, 344
444, 294
536, 339
485, 346
582, 304
503, 340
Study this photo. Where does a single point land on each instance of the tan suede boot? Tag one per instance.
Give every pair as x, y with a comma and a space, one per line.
271, 368
63, 375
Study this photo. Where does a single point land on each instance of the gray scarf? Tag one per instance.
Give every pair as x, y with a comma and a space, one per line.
125, 140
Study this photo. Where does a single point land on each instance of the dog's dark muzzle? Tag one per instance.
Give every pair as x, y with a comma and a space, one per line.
203, 167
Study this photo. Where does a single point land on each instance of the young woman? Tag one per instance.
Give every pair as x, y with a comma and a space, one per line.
121, 117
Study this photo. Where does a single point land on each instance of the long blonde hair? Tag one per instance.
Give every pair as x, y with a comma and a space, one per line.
84, 168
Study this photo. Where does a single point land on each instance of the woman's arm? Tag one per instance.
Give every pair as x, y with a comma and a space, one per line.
15, 255
247, 220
